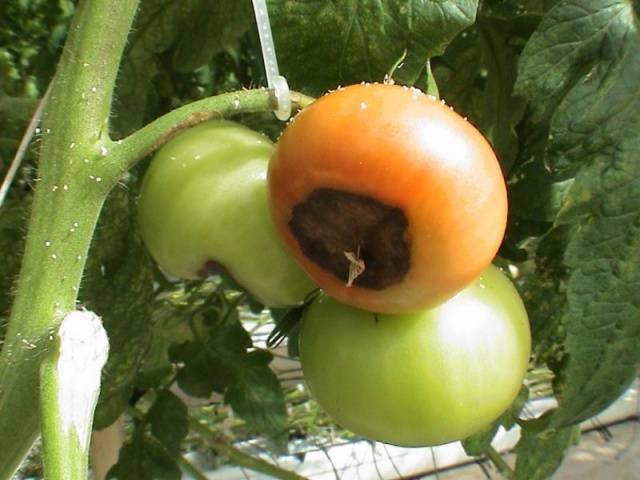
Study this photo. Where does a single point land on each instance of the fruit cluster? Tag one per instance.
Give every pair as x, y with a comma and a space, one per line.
394, 206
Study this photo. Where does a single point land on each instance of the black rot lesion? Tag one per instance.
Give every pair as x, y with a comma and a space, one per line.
331, 226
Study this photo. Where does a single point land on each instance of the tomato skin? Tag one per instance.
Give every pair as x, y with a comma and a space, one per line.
203, 199
406, 150
419, 379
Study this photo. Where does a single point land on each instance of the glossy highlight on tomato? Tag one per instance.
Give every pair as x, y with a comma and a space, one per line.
387, 198
203, 209
423, 378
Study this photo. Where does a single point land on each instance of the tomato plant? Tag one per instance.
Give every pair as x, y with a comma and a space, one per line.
92, 89
390, 201
203, 209
424, 378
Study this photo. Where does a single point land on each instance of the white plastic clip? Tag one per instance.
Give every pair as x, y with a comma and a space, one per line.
275, 81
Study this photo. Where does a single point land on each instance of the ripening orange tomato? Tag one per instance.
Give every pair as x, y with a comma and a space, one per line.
388, 199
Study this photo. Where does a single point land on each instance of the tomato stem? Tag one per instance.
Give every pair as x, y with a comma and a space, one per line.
503, 467
237, 457
128, 151
66, 204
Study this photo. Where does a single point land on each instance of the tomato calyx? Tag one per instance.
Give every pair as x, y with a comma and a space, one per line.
357, 238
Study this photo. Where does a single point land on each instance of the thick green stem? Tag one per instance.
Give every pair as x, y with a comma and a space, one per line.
239, 458
79, 164
66, 206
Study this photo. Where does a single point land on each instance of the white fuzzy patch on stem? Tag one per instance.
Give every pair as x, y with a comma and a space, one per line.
84, 348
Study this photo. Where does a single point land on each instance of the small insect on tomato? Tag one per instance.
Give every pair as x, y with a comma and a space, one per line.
389, 199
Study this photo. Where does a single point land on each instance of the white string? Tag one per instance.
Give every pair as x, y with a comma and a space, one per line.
24, 144
275, 81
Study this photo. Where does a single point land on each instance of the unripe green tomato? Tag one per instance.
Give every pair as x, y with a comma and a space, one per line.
203, 207
419, 379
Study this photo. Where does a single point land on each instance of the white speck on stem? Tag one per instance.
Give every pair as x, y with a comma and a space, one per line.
98, 179
65, 188
54, 256
47, 243
363, 105
94, 89
79, 257
82, 352
196, 157
103, 150
73, 144
54, 188
236, 103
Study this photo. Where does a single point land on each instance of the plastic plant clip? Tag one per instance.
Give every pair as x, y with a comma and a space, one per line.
275, 81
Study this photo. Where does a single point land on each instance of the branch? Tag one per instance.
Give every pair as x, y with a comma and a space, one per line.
239, 458
503, 467
69, 389
125, 153
191, 469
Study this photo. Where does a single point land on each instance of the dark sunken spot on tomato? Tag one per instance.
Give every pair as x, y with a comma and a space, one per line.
330, 222
212, 267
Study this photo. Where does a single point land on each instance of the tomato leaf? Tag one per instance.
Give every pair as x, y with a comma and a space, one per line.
257, 397
118, 287
144, 459
212, 26
209, 363
538, 456
161, 45
168, 419
583, 52
477, 74
356, 41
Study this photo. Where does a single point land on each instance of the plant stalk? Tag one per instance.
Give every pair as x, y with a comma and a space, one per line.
238, 457
503, 467
66, 205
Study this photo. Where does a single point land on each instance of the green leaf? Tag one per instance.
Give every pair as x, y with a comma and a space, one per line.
169, 422
170, 37
539, 455
476, 445
257, 397
476, 76
118, 286
144, 459
360, 40
210, 360
212, 26
581, 70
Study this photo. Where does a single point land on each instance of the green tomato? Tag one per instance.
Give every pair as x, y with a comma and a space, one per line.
419, 379
203, 207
